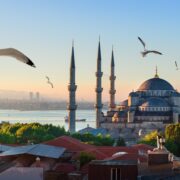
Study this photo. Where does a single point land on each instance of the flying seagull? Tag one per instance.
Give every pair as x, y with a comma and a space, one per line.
176, 65
142, 42
49, 82
16, 54
145, 52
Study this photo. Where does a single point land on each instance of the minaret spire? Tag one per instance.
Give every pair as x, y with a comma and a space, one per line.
99, 88
112, 78
72, 94
156, 75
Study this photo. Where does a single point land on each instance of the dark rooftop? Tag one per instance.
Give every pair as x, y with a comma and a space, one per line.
156, 84
114, 162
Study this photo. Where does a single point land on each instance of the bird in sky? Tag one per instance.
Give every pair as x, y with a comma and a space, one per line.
145, 52
16, 54
49, 82
140, 132
177, 68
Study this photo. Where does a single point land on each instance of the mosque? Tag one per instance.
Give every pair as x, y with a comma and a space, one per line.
155, 103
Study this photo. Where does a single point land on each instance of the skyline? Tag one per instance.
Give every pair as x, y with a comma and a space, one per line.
44, 31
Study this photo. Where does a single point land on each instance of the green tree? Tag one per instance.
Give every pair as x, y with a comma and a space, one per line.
150, 139
85, 158
121, 142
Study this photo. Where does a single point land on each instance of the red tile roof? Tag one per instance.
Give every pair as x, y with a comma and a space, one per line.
130, 156
109, 151
100, 152
69, 143
143, 147
64, 167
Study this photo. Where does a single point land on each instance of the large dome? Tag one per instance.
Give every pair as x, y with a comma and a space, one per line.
155, 84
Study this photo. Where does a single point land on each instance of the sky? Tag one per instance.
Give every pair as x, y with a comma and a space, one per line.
44, 31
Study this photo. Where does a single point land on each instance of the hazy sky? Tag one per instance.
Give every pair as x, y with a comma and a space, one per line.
44, 29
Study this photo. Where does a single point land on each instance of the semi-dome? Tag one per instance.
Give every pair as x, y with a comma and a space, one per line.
156, 84
123, 103
155, 102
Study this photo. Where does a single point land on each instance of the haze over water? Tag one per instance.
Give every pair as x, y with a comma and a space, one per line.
48, 117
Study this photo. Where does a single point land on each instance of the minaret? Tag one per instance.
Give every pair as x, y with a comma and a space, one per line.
98, 89
112, 78
72, 95
156, 75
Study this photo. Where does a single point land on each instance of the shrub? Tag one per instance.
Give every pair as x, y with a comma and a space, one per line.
85, 158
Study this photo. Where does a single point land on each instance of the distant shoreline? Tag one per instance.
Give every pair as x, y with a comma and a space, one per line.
28, 105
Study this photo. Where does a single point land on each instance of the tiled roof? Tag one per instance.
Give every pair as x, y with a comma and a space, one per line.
98, 154
144, 147
130, 156
64, 167
71, 144
109, 151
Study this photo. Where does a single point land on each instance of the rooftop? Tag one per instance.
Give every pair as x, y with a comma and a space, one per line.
156, 84
36, 150
71, 144
114, 162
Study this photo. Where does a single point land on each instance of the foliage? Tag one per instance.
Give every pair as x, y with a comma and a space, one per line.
173, 132
32, 132
172, 147
98, 140
150, 139
121, 142
85, 158
151, 142
151, 136
37, 133
172, 136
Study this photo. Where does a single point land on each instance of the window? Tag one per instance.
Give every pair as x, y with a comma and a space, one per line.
115, 174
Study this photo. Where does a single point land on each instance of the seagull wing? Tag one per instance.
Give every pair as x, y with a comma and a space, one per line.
176, 65
47, 78
156, 52
16, 54
142, 42
50, 84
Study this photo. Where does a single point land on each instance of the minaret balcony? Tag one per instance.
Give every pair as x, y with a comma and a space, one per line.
112, 77
99, 89
99, 74
112, 91
72, 87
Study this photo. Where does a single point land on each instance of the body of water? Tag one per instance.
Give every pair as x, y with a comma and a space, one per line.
48, 117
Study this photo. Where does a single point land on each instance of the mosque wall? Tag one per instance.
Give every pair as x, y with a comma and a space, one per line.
143, 125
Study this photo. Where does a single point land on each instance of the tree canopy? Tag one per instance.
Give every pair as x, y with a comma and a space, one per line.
28, 132
36, 133
172, 136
